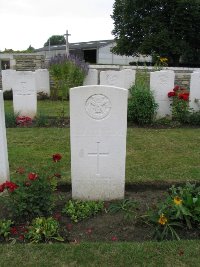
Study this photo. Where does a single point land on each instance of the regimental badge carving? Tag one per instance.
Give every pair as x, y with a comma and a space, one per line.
98, 106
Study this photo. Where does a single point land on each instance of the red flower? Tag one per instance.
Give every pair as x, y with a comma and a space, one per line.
57, 157
176, 88
14, 231
21, 237
23, 120
171, 94
10, 186
184, 96
114, 238
32, 176
2, 187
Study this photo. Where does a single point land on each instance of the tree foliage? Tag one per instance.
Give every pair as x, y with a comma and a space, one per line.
56, 40
167, 28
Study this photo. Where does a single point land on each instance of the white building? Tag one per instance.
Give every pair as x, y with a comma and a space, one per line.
94, 52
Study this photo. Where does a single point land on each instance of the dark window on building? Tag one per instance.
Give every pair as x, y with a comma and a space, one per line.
90, 56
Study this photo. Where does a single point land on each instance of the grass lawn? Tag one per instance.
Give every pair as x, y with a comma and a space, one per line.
152, 154
149, 254
45, 107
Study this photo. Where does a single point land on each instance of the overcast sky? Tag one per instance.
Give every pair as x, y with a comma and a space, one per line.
32, 22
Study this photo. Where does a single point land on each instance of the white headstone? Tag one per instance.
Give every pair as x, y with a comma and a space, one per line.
91, 78
42, 81
123, 78
98, 125
4, 166
195, 91
7, 79
162, 82
24, 94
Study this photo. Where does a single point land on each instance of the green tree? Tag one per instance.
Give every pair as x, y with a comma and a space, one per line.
56, 40
157, 27
30, 49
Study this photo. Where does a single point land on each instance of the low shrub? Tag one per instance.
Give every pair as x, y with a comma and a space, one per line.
8, 95
33, 196
66, 72
141, 105
180, 209
10, 119
127, 206
179, 105
194, 118
79, 210
43, 230
5, 227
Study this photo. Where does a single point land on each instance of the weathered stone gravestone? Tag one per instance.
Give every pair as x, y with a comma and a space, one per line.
91, 78
7, 79
4, 166
123, 78
161, 82
42, 81
24, 94
98, 125
195, 91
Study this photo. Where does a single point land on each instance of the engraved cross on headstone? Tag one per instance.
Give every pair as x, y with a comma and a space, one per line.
98, 154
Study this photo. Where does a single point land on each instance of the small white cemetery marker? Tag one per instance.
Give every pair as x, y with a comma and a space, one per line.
123, 78
195, 91
161, 82
7, 79
42, 81
24, 93
4, 166
98, 125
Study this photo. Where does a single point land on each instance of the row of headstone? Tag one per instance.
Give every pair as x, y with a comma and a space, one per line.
98, 126
161, 82
124, 78
27, 84
4, 166
98, 141
41, 79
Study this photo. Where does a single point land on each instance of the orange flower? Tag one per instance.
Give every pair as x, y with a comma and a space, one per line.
178, 201
162, 220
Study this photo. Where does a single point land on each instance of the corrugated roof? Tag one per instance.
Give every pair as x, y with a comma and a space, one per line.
81, 45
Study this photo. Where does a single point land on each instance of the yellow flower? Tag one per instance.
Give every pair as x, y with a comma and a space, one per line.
163, 59
162, 220
178, 201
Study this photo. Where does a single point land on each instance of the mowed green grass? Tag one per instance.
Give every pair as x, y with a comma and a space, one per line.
148, 254
45, 107
152, 154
